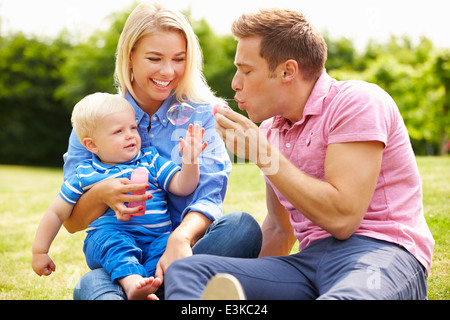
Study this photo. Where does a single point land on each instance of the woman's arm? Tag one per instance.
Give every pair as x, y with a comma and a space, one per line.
182, 239
110, 193
88, 208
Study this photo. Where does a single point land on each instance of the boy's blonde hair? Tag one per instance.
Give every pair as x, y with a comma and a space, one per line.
151, 17
88, 113
286, 34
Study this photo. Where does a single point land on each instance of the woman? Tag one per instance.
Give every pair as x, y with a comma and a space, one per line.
158, 65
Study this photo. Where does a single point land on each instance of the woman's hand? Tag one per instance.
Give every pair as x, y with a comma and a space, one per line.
177, 248
116, 192
113, 193
182, 239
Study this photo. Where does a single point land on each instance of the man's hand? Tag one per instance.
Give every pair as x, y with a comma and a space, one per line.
244, 138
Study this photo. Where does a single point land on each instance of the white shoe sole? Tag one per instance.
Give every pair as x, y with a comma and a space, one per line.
223, 286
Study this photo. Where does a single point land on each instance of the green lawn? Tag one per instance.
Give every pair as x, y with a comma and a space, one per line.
25, 193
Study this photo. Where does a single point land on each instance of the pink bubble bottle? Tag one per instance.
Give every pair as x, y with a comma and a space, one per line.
138, 176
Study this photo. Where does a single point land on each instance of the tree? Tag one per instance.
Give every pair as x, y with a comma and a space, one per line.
441, 68
89, 66
42, 79
417, 77
218, 55
34, 125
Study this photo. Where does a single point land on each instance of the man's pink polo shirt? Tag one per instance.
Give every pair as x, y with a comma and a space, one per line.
349, 111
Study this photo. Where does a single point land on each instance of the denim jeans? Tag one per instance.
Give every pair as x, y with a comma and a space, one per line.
236, 234
328, 269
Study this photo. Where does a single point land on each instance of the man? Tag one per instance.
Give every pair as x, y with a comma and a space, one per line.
340, 173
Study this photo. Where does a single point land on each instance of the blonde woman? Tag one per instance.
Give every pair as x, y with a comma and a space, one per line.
159, 64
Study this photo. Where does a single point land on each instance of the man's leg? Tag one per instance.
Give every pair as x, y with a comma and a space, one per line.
236, 234
357, 268
366, 268
267, 278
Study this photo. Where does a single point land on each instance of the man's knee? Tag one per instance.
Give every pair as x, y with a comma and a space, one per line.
186, 278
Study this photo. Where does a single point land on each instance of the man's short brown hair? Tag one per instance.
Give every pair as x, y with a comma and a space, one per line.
286, 34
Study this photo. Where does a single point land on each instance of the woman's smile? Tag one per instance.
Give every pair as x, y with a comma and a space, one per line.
160, 83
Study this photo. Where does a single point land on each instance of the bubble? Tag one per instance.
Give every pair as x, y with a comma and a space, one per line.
180, 113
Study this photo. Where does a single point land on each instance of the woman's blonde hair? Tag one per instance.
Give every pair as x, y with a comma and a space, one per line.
90, 110
151, 17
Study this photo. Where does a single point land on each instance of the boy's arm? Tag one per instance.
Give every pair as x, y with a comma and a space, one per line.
58, 211
185, 181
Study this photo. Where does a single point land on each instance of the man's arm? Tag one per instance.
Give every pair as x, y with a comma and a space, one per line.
278, 235
337, 204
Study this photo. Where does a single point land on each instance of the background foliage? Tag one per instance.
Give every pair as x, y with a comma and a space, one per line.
42, 79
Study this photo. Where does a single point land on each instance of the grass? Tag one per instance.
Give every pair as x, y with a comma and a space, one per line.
25, 193
435, 174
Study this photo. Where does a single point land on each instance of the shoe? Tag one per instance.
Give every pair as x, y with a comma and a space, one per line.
223, 286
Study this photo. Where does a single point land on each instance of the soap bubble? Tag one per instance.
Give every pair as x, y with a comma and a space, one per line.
180, 113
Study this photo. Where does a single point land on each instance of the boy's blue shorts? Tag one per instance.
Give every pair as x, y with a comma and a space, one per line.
122, 253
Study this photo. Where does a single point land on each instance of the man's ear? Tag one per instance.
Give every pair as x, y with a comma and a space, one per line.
290, 70
89, 144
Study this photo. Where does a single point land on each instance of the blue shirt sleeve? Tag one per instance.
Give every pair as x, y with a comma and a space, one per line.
215, 167
71, 190
75, 154
161, 169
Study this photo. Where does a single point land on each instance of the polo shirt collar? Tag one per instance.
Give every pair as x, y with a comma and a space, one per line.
313, 106
100, 166
139, 113
160, 115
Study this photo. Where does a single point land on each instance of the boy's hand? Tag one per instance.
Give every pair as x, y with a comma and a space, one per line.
193, 145
42, 264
